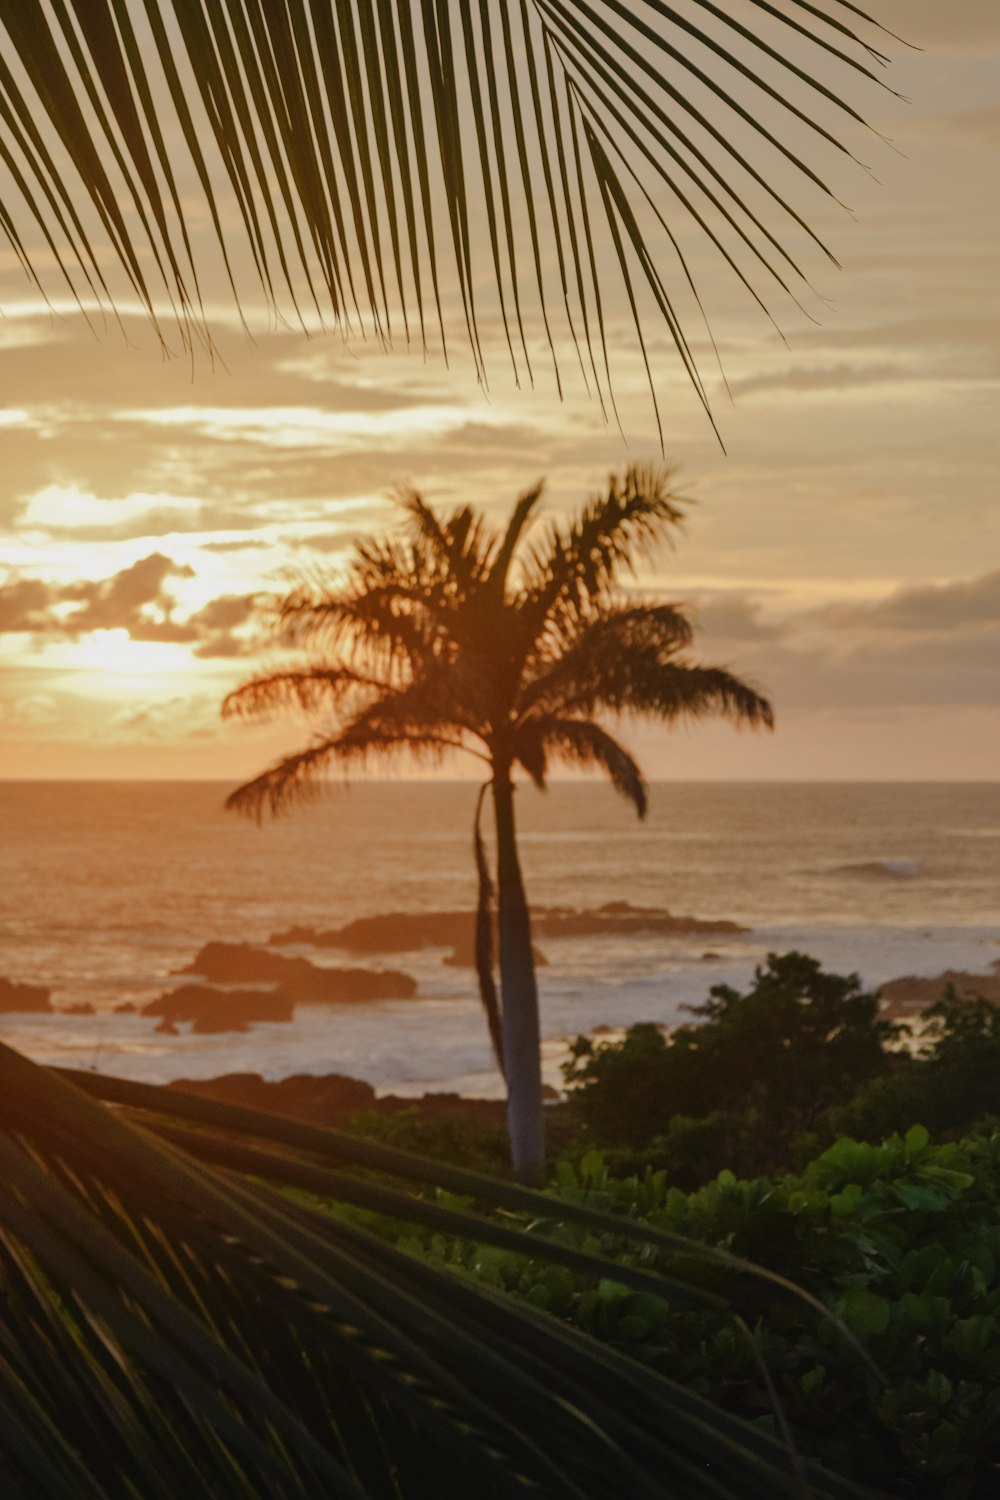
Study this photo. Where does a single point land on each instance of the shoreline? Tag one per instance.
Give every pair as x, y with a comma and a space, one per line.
255, 1061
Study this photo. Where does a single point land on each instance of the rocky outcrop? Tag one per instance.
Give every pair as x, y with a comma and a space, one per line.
326, 1099
621, 918
24, 998
910, 995
389, 932
300, 982
406, 932
212, 1010
331, 1099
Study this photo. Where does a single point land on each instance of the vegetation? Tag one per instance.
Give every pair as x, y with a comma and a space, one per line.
950, 1083
196, 1295
768, 1078
359, 145
182, 1313
736, 1087
512, 649
901, 1240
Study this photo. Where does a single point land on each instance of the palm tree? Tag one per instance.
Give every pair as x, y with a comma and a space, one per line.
373, 155
510, 648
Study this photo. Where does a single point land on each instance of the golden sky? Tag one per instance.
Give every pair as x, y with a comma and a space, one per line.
845, 553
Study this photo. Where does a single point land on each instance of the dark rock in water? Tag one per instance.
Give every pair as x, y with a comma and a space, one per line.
333, 1099
209, 1024
911, 995
322, 1100
126, 1009
26, 998
301, 982
241, 963
709, 956
83, 1008
167, 1028
214, 1010
620, 917
389, 932
403, 932
399, 932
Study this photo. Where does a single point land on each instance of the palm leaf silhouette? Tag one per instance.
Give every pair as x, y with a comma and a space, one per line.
187, 1310
540, 157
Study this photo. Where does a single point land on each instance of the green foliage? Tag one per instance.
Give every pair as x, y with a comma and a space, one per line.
953, 1081
737, 1087
900, 1240
475, 1143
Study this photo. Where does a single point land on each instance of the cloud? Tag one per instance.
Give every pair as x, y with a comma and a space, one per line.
736, 617
137, 599
32, 711
217, 626
306, 426
964, 24
929, 607
68, 508
979, 126
841, 377
24, 604
124, 601
932, 646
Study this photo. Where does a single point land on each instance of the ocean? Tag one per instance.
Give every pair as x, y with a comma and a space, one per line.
107, 889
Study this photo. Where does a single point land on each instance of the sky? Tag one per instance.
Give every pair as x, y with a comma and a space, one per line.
843, 552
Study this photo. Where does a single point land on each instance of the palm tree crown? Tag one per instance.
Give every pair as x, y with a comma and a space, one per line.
466, 637
510, 646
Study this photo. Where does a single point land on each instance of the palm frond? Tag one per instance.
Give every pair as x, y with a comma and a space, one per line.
347, 150
287, 783
578, 568
581, 743
570, 670
642, 679
390, 627
311, 687
459, 546
188, 1271
520, 518
678, 690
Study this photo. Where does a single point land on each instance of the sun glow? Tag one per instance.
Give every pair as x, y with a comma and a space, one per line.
113, 652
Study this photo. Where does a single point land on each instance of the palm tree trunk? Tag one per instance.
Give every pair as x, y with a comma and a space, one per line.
519, 991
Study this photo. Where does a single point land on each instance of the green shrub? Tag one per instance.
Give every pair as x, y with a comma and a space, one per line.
901, 1240
740, 1084
953, 1082
476, 1144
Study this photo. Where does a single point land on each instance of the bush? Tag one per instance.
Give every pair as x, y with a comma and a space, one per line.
901, 1240
474, 1143
739, 1086
953, 1082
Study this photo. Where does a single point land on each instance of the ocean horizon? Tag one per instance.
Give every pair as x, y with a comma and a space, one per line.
107, 888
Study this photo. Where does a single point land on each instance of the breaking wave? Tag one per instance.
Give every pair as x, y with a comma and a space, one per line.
883, 869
